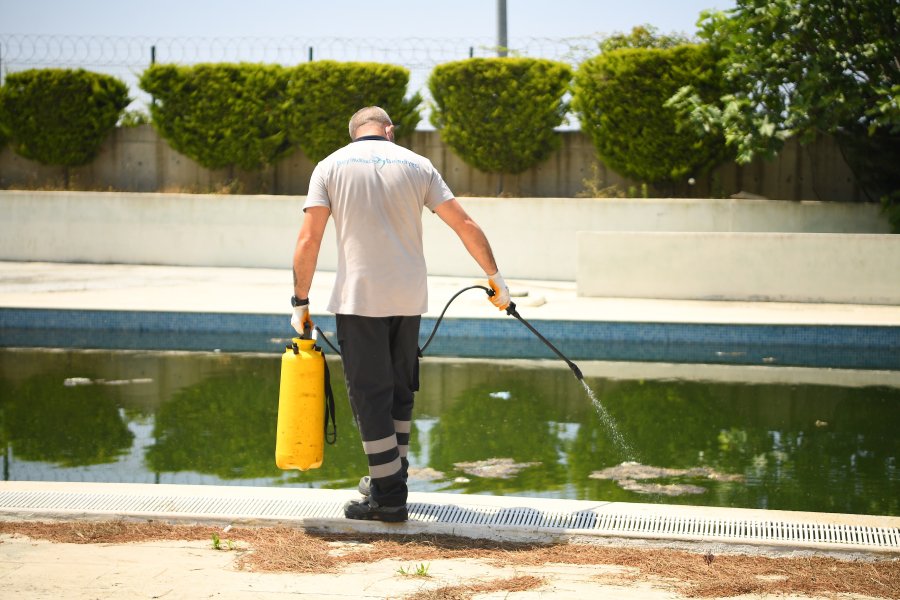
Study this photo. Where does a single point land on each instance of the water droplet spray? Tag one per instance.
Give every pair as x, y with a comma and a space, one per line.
609, 423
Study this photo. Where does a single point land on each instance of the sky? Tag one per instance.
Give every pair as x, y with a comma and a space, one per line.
186, 31
346, 18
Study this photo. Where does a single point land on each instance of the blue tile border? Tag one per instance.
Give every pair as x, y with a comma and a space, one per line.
847, 346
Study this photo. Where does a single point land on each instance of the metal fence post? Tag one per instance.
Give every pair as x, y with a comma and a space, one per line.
502, 43
152, 62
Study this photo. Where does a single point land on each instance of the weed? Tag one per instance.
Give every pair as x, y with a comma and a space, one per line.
421, 570
217, 543
595, 186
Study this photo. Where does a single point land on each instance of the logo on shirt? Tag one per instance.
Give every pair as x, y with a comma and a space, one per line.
379, 162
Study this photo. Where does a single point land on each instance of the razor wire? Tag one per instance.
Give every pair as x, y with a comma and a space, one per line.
24, 50
127, 57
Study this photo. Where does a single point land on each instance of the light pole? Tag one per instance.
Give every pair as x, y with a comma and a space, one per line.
501, 28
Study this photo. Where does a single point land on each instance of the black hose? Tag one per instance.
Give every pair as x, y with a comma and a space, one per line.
489, 291
327, 341
510, 310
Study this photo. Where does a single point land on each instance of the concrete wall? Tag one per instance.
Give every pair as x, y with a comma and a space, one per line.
779, 267
138, 160
534, 238
167, 229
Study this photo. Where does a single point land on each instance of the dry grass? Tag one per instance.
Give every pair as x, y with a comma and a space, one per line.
692, 574
465, 592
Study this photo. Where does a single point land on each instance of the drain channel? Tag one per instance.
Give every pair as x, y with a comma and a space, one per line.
466, 514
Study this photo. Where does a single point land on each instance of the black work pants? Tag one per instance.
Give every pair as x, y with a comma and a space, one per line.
381, 369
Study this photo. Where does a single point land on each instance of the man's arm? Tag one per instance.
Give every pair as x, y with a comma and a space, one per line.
471, 235
306, 253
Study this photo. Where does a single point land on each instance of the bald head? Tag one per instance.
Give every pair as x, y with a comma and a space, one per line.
371, 120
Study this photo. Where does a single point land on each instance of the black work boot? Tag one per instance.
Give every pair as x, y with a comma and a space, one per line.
369, 510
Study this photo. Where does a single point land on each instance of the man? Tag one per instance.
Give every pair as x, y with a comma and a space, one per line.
375, 190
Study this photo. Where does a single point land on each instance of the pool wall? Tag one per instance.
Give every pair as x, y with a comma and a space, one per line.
836, 346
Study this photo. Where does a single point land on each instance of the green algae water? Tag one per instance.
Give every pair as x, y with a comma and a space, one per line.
480, 427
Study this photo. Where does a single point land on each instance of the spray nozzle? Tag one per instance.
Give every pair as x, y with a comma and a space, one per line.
510, 310
576, 370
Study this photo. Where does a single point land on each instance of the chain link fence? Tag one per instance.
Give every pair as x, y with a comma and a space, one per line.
127, 57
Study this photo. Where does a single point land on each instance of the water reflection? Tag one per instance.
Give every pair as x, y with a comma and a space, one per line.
44, 421
480, 427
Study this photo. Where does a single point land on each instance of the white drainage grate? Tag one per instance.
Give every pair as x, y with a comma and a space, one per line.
474, 516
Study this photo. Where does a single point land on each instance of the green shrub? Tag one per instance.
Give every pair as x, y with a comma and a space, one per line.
4, 134
620, 98
499, 114
60, 116
323, 95
642, 36
134, 118
221, 115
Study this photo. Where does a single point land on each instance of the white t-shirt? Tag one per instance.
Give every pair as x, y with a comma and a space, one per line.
375, 190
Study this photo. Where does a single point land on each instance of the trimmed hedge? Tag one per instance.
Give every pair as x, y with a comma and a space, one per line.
60, 116
620, 98
4, 134
499, 114
221, 115
323, 95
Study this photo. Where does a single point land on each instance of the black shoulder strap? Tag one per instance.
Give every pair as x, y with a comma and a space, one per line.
330, 437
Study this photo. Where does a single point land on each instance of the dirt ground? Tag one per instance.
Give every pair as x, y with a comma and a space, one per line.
105, 559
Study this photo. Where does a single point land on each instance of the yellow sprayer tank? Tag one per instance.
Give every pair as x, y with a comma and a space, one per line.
299, 443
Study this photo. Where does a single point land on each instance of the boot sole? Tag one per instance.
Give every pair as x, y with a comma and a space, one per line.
378, 515
398, 518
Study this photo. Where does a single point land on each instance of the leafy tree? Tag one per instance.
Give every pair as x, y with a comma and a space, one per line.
499, 114
802, 67
643, 36
324, 94
221, 115
60, 116
620, 97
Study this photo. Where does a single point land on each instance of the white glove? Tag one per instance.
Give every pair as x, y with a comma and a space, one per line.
500, 299
300, 320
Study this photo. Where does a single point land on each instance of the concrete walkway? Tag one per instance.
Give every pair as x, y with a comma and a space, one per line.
33, 570
267, 291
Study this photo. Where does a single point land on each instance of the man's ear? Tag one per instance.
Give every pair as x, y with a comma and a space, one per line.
389, 132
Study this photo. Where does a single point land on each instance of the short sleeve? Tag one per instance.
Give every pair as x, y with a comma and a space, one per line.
437, 192
318, 192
